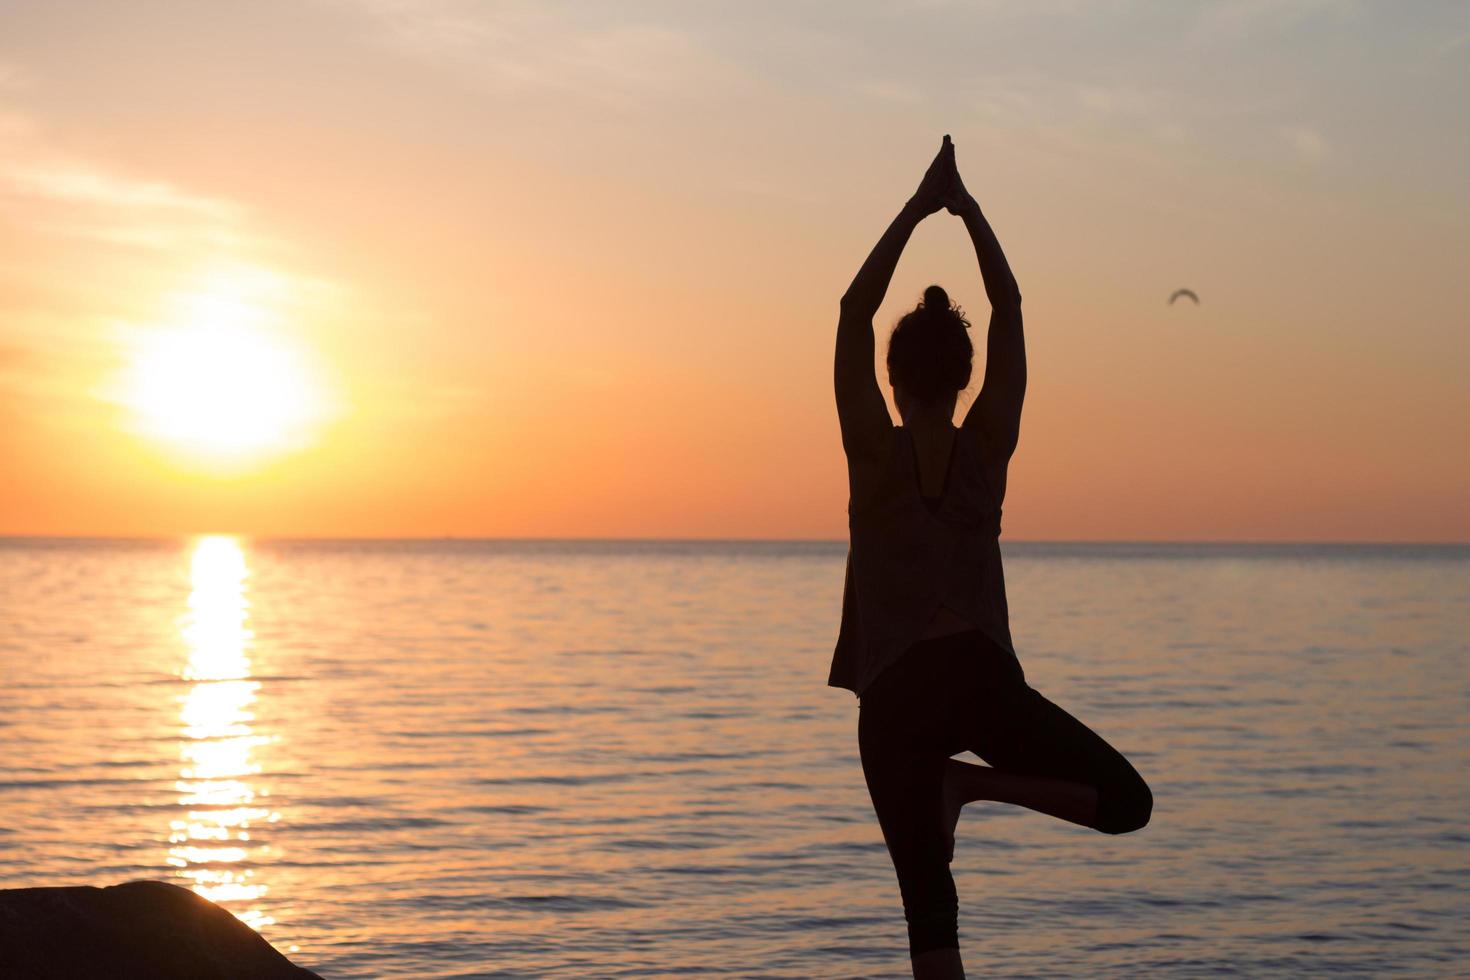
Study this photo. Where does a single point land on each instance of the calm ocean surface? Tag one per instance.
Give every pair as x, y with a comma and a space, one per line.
496, 759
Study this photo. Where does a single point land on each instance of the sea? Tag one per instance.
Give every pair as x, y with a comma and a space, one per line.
460, 758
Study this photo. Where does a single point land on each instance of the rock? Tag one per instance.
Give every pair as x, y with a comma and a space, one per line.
143, 929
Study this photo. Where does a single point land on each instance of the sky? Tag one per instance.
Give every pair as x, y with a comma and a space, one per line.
422, 267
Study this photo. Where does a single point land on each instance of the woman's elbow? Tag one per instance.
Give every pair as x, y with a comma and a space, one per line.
857, 307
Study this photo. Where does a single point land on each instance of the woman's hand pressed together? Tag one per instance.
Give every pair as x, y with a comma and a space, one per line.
938, 182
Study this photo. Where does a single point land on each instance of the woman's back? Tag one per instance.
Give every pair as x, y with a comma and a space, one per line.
910, 557
933, 452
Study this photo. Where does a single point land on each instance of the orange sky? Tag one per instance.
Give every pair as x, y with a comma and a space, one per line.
574, 272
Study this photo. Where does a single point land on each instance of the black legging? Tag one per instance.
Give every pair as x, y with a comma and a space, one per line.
960, 692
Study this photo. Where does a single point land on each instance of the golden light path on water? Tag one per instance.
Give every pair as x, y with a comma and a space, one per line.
211, 843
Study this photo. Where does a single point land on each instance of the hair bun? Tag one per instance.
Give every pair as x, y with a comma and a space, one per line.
929, 352
935, 298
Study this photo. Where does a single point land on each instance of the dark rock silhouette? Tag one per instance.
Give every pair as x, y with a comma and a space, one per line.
141, 929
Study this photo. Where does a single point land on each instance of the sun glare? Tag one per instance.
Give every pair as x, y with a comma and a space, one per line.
214, 842
218, 380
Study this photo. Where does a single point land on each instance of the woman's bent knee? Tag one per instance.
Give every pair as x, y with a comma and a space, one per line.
1125, 807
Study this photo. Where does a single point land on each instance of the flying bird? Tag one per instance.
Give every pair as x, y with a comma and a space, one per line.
1184, 292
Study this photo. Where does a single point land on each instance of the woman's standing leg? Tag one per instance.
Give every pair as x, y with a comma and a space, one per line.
904, 768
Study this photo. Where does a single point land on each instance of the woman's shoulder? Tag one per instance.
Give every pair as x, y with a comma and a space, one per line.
871, 468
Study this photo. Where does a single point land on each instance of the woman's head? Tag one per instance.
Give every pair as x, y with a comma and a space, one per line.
929, 355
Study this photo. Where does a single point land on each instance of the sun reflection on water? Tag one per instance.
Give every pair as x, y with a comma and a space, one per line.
211, 845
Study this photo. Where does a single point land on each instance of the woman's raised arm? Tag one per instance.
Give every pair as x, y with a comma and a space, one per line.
997, 409
860, 407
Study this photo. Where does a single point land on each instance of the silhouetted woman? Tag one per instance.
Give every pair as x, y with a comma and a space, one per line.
925, 640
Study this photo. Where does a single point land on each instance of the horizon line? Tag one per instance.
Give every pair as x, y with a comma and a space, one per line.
610, 539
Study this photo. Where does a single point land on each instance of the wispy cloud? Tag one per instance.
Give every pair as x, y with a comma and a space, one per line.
1306, 142
56, 193
13, 77
1122, 100
1234, 20
73, 184
1448, 48
522, 48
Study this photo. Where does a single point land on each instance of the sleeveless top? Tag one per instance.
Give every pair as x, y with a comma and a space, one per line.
907, 557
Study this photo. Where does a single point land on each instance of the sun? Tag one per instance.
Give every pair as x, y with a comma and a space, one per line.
219, 380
